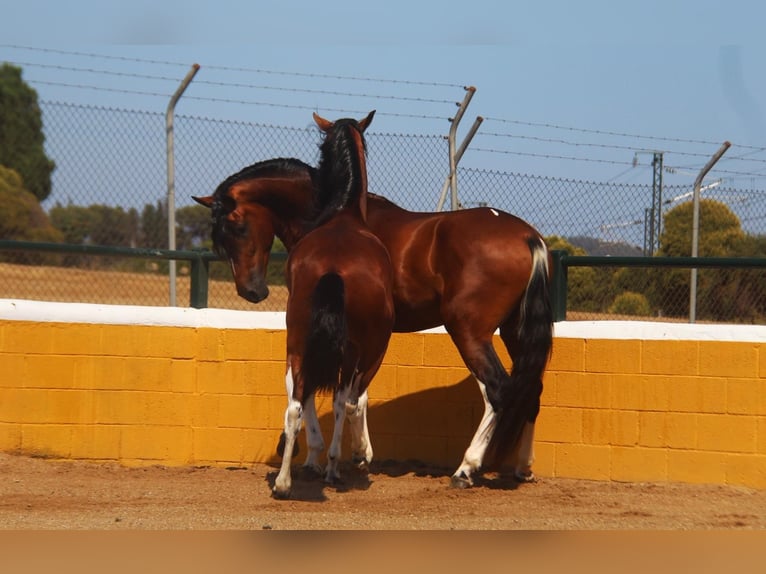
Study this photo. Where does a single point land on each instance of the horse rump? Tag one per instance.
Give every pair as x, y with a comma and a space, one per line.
328, 334
520, 395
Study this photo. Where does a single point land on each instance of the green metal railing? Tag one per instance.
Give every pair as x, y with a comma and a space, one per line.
199, 260
562, 261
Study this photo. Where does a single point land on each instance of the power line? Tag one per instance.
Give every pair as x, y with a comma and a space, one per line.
615, 134
238, 69
614, 146
236, 84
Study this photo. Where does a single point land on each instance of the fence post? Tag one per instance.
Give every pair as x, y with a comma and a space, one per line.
171, 191
199, 282
559, 285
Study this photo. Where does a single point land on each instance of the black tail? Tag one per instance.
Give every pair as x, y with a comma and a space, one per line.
327, 336
520, 396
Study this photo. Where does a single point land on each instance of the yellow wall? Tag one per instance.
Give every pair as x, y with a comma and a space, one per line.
627, 410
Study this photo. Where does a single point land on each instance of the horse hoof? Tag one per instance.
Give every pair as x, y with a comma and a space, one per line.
281, 446
310, 471
524, 476
333, 480
280, 494
460, 481
360, 462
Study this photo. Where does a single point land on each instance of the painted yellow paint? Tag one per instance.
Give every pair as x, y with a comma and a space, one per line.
612, 409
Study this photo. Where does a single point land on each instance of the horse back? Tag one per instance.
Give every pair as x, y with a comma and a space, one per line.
455, 255
345, 246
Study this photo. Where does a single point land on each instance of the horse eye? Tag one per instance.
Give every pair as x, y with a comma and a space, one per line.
236, 228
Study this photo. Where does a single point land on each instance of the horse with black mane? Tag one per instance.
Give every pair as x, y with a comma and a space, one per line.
475, 271
340, 310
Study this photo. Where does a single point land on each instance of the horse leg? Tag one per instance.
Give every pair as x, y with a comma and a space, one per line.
523, 471
293, 416
526, 455
314, 437
462, 478
361, 447
332, 474
482, 361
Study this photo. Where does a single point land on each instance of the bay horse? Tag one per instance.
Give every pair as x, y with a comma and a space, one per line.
340, 310
474, 271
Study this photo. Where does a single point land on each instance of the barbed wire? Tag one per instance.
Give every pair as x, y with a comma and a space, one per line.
554, 141
238, 69
617, 134
234, 84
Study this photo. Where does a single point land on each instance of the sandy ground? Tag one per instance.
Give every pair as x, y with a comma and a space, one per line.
47, 494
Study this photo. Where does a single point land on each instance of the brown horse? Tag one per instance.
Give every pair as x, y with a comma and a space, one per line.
340, 310
474, 271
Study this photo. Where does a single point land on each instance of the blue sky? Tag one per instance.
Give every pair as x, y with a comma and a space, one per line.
592, 80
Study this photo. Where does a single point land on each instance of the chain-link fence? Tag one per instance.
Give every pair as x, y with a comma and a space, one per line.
110, 188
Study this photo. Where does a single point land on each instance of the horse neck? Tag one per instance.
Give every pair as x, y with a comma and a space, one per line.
344, 183
290, 200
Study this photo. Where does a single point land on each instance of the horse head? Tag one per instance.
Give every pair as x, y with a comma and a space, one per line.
234, 241
268, 198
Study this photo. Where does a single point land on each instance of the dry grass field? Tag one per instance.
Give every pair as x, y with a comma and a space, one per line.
46, 283
75, 285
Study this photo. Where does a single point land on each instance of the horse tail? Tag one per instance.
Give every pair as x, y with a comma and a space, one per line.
520, 397
328, 334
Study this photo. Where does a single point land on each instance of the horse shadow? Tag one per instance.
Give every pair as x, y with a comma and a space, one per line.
461, 411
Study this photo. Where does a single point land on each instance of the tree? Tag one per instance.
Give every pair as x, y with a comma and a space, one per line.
154, 226
720, 231
21, 133
720, 235
22, 218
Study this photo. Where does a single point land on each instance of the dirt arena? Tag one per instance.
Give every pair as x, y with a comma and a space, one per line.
40, 494
56, 495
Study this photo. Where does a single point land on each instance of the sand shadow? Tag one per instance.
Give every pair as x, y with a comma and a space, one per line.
461, 411
309, 486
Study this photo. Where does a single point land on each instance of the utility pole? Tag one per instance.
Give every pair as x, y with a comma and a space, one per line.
653, 225
656, 201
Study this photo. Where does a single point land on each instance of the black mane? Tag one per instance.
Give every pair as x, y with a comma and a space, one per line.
340, 170
265, 168
223, 204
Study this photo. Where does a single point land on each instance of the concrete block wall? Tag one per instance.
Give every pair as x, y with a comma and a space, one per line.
627, 402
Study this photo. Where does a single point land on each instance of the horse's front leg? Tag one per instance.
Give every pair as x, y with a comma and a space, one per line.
293, 418
314, 437
332, 474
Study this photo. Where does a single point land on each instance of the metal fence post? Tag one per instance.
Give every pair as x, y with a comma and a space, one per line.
559, 285
171, 192
199, 277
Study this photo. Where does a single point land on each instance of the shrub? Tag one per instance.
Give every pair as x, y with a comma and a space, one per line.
630, 303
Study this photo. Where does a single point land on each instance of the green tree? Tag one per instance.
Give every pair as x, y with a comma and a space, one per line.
22, 218
21, 133
193, 227
720, 231
720, 235
582, 282
153, 225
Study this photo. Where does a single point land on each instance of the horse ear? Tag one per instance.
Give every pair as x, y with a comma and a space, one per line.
324, 125
366, 121
206, 201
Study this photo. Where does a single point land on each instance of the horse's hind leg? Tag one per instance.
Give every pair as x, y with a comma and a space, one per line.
314, 438
463, 476
361, 447
526, 455
332, 474
293, 416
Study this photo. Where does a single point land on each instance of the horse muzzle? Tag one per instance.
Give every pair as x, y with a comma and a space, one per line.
254, 293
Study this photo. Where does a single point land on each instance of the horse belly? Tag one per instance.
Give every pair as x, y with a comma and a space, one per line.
416, 317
